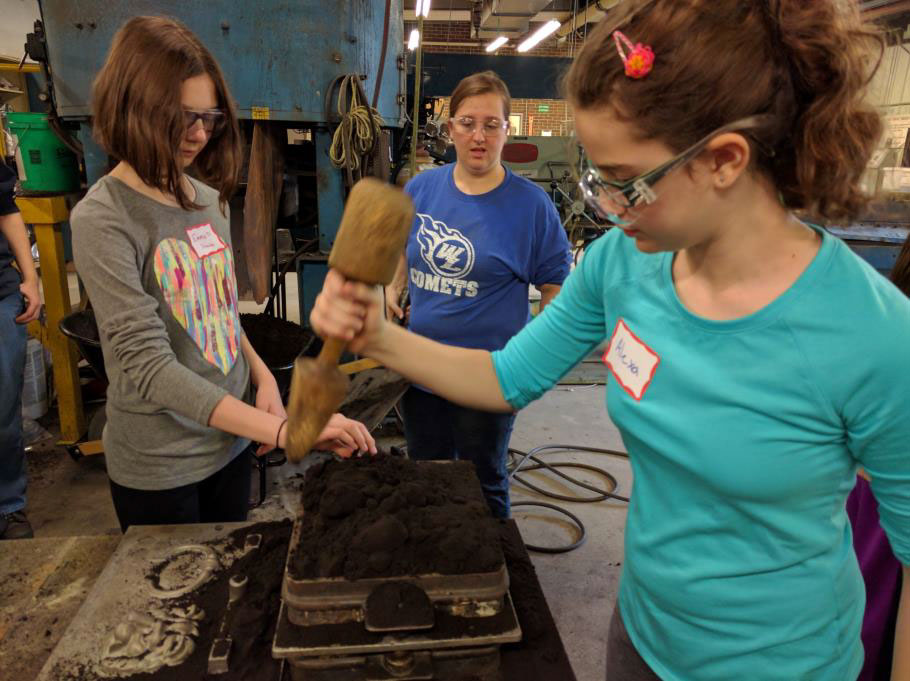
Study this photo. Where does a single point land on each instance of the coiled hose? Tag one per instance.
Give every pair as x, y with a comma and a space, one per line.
359, 128
538, 464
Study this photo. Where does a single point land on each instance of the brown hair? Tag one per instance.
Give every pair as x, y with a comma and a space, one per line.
807, 62
900, 275
137, 114
480, 84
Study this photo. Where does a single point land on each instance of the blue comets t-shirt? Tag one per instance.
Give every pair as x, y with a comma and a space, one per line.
471, 258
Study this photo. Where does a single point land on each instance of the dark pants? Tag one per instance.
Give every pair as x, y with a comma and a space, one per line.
438, 429
623, 661
223, 497
12, 375
882, 575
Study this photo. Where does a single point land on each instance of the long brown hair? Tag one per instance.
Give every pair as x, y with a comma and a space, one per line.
480, 83
137, 113
808, 62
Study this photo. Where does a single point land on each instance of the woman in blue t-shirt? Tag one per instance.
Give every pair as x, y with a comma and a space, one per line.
754, 361
480, 236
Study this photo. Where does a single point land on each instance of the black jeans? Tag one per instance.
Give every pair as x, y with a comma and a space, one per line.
438, 429
223, 497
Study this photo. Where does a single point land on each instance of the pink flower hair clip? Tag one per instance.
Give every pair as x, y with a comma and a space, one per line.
639, 60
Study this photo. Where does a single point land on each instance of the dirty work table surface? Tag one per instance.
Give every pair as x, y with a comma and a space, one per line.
46, 581
43, 582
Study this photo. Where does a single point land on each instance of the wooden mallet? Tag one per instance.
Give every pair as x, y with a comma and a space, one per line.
374, 229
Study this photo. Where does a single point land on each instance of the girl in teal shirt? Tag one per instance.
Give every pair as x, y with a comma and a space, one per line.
754, 362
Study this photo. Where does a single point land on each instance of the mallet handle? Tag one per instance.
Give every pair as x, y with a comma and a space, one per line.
331, 352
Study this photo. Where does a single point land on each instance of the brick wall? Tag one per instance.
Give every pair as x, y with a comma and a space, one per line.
533, 121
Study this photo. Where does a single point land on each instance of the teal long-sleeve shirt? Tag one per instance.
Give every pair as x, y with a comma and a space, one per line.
744, 438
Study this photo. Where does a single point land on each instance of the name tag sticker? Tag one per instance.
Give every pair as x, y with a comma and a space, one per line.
631, 361
204, 240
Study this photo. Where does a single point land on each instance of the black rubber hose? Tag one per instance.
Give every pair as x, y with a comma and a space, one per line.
554, 468
532, 455
539, 464
583, 533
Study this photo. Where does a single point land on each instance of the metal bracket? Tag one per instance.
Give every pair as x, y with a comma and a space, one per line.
220, 653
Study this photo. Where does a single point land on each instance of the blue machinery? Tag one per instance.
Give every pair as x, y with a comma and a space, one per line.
279, 59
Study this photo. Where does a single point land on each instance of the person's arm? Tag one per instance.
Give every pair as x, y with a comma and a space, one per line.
552, 254
260, 375
341, 435
547, 293
243, 420
872, 404
353, 312
394, 289
460, 375
268, 397
531, 363
13, 229
107, 259
900, 670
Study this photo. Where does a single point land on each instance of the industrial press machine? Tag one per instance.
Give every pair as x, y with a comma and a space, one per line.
290, 67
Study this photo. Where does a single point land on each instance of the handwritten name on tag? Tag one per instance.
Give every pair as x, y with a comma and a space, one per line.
631, 361
204, 240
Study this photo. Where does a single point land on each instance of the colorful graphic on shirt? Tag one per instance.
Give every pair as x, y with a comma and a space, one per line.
202, 296
446, 250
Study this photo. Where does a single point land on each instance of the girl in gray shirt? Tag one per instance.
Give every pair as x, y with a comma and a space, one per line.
153, 246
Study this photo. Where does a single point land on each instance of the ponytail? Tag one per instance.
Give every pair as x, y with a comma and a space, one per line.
806, 62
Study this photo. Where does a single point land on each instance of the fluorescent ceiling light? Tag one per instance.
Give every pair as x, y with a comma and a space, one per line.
496, 44
538, 35
414, 40
423, 8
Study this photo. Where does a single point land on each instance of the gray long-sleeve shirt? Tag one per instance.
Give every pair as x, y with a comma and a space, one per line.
162, 283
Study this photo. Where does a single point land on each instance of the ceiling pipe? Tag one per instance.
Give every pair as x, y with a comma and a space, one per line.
508, 17
590, 15
440, 15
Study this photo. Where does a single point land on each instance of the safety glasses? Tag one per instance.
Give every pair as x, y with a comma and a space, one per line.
213, 120
466, 125
622, 202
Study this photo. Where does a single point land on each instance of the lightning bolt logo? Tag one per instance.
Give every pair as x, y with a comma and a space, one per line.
445, 250
450, 254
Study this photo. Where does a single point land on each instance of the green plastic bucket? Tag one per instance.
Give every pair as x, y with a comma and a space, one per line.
45, 163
